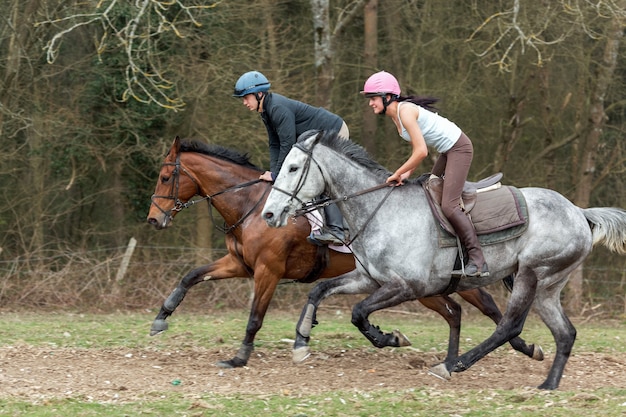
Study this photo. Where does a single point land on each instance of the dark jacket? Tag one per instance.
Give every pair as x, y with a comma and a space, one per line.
286, 119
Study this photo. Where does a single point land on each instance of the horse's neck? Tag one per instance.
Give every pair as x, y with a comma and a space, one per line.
220, 180
351, 188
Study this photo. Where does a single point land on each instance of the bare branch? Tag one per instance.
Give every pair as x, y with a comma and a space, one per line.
138, 37
517, 33
347, 16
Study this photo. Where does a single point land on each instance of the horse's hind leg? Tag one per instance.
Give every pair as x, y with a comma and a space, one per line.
510, 326
349, 283
548, 306
484, 302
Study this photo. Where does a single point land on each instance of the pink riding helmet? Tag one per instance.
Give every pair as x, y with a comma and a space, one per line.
381, 83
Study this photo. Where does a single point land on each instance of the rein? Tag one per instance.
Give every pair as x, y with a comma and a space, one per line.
309, 207
227, 230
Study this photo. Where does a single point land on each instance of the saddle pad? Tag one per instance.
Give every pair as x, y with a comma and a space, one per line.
499, 215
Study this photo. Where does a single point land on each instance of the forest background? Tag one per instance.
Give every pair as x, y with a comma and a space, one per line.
92, 94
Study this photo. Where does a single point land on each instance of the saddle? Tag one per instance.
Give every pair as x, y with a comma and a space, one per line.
470, 189
497, 211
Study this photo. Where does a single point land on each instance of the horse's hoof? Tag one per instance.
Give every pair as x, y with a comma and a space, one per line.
403, 341
440, 371
537, 353
158, 326
225, 364
300, 354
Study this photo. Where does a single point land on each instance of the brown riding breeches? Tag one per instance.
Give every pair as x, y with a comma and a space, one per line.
454, 167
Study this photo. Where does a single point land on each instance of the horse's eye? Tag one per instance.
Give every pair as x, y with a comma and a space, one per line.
164, 179
293, 169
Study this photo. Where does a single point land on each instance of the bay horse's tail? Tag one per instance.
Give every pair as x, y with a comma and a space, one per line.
608, 227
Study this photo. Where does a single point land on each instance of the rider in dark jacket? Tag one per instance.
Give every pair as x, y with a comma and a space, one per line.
286, 119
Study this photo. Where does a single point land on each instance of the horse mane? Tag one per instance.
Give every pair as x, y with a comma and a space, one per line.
217, 151
353, 151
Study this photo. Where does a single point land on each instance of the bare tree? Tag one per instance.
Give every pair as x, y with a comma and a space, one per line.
586, 175
604, 21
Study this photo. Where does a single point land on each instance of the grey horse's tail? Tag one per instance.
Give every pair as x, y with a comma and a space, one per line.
608, 227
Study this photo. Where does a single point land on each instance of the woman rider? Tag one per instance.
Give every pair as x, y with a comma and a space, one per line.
418, 123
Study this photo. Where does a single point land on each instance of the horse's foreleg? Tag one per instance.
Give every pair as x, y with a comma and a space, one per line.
225, 267
350, 283
510, 326
265, 282
485, 303
450, 310
176, 297
389, 295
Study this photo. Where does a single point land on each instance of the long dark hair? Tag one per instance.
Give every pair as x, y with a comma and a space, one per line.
422, 101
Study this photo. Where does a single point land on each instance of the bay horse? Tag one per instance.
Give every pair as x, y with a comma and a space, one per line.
229, 182
399, 258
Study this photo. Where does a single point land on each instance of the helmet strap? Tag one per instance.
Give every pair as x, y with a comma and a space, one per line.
387, 102
259, 96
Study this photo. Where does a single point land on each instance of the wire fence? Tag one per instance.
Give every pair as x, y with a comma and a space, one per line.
93, 280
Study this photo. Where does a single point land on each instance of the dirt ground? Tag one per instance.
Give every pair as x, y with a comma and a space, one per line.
38, 374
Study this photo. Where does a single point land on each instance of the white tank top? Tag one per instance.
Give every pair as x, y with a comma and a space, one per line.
439, 132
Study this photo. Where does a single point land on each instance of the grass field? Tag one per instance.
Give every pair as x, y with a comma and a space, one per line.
219, 333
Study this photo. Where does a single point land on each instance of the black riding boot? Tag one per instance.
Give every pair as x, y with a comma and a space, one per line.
332, 232
476, 266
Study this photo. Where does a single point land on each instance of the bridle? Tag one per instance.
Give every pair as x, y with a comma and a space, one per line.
175, 178
303, 176
179, 204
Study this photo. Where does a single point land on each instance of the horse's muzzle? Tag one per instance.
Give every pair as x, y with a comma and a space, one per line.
273, 220
159, 224
270, 219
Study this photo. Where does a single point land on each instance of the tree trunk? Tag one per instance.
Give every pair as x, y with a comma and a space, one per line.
323, 52
370, 61
270, 50
513, 131
37, 177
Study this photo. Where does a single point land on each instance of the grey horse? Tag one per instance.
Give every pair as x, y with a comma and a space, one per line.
399, 258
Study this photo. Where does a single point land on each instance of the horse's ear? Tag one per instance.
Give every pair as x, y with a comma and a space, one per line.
175, 146
320, 134
309, 134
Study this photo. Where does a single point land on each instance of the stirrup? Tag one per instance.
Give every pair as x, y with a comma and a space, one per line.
324, 239
472, 271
